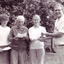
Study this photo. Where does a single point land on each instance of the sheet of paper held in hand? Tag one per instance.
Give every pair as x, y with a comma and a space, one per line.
21, 35
7, 48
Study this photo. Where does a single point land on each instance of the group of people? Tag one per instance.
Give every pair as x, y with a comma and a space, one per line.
16, 38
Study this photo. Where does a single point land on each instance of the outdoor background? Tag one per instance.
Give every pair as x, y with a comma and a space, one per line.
28, 8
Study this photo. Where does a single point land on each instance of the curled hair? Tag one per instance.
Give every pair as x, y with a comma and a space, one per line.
20, 18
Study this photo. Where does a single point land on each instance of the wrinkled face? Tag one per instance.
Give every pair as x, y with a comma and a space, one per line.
58, 11
36, 21
20, 23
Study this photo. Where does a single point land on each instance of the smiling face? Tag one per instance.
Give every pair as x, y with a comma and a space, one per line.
58, 11
36, 20
20, 21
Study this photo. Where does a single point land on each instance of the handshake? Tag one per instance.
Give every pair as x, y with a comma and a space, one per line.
45, 36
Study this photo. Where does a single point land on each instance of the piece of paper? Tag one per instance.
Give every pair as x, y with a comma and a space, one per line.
22, 35
6, 48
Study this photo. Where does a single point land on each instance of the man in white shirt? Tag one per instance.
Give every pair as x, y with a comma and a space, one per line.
37, 52
58, 34
4, 43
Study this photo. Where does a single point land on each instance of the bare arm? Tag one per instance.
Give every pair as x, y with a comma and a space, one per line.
56, 35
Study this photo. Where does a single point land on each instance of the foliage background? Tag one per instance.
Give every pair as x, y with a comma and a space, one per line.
28, 8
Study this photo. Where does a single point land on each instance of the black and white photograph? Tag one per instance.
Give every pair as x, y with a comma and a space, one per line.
31, 31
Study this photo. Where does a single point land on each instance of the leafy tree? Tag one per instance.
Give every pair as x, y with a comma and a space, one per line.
28, 8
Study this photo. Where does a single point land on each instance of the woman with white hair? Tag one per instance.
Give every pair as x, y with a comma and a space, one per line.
18, 37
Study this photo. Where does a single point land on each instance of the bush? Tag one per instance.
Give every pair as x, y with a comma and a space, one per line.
28, 8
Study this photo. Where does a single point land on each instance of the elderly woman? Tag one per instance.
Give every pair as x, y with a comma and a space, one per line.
4, 44
18, 37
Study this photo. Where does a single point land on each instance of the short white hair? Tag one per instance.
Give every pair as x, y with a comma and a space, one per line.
20, 18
